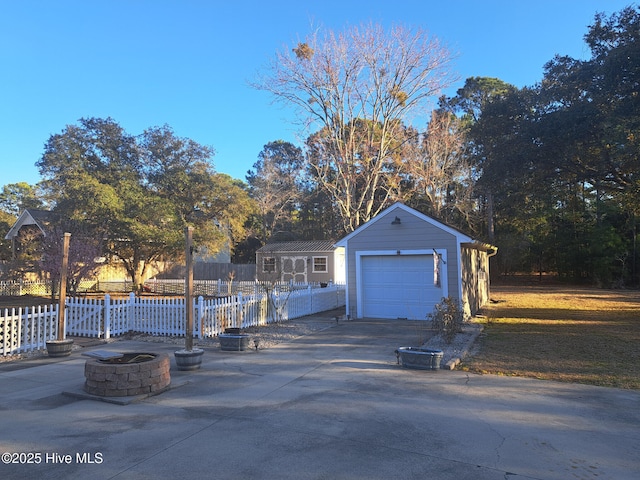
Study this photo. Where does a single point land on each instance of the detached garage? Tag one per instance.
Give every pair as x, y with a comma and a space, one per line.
402, 262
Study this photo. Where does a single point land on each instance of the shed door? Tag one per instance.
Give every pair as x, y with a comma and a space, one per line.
398, 286
294, 269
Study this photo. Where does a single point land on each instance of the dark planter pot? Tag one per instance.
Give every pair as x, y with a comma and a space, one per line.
232, 331
234, 342
420, 358
189, 359
59, 348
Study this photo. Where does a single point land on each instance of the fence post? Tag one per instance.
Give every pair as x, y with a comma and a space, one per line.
201, 316
310, 291
22, 342
106, 313
131, 309
240, 310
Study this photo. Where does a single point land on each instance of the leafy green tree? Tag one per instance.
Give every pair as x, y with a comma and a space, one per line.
25, 252
275, 185
6, 221
231, 207
16, 197
470, 104
138, 193
589, 134
556, 163
475, 94
317, 219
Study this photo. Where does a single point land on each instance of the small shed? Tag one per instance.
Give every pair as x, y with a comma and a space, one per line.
314, 261
402, 262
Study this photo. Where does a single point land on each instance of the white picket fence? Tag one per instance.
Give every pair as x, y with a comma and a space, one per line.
216, 287
26, 329
153, 285
23, 330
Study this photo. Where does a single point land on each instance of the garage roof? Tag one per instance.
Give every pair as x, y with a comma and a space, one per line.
392, 210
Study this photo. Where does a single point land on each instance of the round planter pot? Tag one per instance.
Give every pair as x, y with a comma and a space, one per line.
420, 358
189, 359
59, 348
234, 342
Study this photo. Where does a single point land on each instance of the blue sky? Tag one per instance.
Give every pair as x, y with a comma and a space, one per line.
187, 63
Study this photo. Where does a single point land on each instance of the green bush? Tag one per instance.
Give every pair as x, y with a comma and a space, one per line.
447, 318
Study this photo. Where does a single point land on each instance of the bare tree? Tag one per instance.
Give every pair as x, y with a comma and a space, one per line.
439, 170
84, 250
356, 88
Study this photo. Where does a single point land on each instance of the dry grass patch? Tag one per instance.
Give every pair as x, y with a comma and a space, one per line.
21, 301
566, 334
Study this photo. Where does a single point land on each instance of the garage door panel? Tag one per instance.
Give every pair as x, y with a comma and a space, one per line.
398, 286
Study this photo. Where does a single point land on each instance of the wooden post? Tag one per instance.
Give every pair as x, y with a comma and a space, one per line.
188, 290
63, 285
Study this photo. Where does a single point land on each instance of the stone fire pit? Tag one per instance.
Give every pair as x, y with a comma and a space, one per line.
119, 375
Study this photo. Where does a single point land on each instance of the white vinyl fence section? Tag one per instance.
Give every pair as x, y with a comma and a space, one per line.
153, 285
84, 317
23, 330
26, 329
218, 288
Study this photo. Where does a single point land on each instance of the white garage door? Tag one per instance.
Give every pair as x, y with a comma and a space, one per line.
398, 286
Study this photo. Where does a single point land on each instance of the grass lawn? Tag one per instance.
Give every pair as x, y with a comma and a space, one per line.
7, 301
568, 334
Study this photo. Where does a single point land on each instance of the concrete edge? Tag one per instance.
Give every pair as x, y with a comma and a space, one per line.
454, 362
82, 395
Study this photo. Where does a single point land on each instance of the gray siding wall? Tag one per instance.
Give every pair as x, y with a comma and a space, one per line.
319, 277
412, 234
475, 279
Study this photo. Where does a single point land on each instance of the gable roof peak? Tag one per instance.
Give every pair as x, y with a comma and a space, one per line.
462, 237
31, 216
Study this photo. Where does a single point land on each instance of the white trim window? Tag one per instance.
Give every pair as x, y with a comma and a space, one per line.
320, 264
269, 264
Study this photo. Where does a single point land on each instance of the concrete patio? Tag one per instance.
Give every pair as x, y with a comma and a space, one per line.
331, 405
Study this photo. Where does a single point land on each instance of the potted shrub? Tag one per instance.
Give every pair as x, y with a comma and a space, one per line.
446, 319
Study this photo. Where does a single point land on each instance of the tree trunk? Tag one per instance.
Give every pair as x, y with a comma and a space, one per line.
490, 224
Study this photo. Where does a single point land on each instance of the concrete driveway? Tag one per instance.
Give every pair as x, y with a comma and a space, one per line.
331, 405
